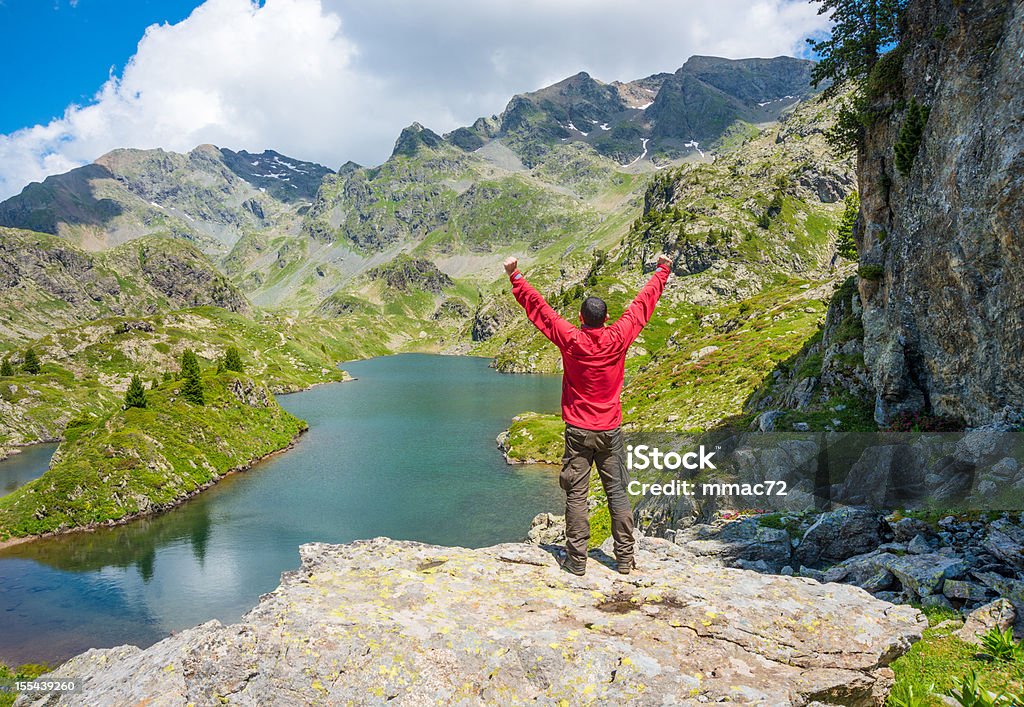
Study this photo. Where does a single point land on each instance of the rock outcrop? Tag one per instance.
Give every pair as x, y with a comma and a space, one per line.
941, 246
383, 620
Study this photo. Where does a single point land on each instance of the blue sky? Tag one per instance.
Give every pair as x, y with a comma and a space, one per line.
58, 53
328, 80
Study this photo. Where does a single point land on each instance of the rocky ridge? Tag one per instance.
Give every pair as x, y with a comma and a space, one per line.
405, 622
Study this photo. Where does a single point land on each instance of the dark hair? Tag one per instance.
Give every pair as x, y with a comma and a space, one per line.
594, 311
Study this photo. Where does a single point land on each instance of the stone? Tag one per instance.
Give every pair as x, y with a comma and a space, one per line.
1005, 540
919, 546
936, 601
999, 614
961, 349
924, 574
547, 529
869, 572
961, 589
743, 539
382, 620
765, 422
840, 534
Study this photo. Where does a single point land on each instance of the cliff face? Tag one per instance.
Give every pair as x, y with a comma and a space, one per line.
942, 245
384, 620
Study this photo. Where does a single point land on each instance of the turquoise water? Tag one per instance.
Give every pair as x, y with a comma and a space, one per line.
407, 451
28, 464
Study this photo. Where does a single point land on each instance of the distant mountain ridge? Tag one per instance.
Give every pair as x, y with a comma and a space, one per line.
556, 162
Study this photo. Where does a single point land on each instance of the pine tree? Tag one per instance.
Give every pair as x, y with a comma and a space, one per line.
861, 31
135, 397
909, 141
192, 383
168, 376
6, 369
31, 364
233, 360
845, 244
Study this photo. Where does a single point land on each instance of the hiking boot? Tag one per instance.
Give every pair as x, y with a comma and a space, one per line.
625, 566
573, 566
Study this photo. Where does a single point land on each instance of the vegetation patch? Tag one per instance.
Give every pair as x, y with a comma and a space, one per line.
141, 460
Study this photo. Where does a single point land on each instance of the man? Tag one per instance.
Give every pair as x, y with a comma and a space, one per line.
593, 359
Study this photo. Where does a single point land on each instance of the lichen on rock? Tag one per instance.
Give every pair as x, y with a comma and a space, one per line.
384, 620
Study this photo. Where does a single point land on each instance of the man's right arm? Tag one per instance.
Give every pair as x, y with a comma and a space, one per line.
542, 314
639, 312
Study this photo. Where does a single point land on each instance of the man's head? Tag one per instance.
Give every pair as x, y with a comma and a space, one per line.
594, 312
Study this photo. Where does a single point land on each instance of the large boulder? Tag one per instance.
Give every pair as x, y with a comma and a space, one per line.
840, 534
1005, 540
923, 575
734, 543
382, 620
999, 615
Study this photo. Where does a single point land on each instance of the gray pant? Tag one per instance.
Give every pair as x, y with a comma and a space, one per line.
583, 448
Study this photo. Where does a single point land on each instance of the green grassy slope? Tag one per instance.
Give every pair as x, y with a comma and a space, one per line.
140, 460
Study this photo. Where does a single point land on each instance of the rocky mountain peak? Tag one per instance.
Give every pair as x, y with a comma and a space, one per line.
413, 138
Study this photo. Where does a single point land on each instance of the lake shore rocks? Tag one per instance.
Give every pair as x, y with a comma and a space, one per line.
384, 620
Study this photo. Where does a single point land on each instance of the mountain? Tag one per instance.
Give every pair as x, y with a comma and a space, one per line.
209, 196
49, 283
558, 164
662, 116
405, 256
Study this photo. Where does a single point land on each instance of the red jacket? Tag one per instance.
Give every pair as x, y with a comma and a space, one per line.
594, 359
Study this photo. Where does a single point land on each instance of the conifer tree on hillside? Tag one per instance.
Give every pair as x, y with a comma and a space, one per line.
233, 360
31, 365
6, 369
192, 383
135, 396
863, 32
845, 244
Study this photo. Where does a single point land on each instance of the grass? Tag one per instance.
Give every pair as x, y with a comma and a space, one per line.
142, 459
940, 661
536, 437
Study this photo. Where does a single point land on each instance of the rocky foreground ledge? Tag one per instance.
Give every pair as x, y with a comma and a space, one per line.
382, 620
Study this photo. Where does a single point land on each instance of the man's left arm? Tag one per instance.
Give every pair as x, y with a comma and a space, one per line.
639, 312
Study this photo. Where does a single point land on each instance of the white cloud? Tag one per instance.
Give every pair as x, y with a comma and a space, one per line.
332, 80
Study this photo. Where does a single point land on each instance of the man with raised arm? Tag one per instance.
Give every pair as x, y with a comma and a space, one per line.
593, 358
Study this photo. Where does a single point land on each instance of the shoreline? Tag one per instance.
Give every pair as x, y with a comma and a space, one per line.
12, 450
154, 510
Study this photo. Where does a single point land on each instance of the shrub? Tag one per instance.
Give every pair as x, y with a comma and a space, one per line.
845, 244
6, 369
871, 272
